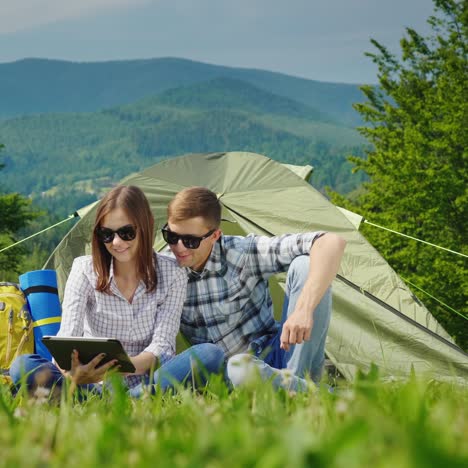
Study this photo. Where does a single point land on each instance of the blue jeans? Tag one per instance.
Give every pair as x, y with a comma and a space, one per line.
288, 369
193, 366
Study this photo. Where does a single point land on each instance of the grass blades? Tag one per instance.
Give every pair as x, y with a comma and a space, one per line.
367, 423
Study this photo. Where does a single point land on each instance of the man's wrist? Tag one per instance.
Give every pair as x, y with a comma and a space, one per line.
305, 307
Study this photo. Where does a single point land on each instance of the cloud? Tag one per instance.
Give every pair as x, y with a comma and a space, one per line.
310, 38
20, 15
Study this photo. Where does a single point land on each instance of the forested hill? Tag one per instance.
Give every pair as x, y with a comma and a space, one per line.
64, 156
41, 85
228, 93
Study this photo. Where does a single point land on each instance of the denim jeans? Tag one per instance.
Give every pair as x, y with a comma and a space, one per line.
193, 366
288, 369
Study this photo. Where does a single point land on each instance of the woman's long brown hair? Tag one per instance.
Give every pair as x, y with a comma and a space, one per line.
134, 203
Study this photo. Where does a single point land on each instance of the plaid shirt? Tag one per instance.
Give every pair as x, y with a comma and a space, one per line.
229, 303
150, 323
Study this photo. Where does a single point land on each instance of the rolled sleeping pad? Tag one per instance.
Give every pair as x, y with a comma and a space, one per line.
40, 289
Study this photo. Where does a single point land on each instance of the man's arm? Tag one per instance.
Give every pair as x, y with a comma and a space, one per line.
325, 258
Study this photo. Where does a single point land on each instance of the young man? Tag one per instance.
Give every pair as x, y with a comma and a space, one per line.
228, 302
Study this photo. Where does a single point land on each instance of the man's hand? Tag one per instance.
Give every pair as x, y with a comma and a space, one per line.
296, 329
88, 373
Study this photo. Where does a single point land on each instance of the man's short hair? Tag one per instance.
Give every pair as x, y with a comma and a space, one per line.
195, 202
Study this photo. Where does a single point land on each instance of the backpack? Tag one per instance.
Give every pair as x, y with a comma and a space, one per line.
16, 326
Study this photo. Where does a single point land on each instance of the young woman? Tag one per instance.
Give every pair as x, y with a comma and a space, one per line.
124, 290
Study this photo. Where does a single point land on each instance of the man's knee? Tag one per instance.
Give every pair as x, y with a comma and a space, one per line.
298, 270
298, 273
209, 355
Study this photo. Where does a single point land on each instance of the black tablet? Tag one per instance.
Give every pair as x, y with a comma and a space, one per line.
61, 348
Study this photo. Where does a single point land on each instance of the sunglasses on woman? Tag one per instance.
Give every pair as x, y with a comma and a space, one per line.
106, 235
190, 242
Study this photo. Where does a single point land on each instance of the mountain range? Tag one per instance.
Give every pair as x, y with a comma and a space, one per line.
42, 85
71, 130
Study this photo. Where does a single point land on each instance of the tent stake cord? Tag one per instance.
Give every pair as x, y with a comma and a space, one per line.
40, 232
435, 298
416, 239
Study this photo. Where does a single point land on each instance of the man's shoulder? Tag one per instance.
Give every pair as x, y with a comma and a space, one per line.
239, 243
255, 243
260, 245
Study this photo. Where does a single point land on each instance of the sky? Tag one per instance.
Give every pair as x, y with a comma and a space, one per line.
317, 39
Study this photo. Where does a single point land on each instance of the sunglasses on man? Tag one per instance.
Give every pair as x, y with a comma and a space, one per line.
106, 235
189, 241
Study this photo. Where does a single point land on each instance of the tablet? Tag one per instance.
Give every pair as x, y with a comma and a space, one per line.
61, 348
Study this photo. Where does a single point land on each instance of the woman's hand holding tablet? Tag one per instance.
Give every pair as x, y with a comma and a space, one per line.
97, 352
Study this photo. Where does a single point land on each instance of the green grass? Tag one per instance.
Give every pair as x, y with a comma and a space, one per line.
367, 423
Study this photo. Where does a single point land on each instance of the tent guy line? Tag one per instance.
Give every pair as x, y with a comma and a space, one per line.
40, 232
435, 298
74, 215
416, 239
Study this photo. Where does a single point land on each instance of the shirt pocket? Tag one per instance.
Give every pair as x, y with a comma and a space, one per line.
229, 310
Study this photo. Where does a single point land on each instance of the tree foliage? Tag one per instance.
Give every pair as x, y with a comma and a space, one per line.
15, 213
416, 121
110, 144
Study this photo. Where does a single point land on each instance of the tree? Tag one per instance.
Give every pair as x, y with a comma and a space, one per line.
15, 213
416, 120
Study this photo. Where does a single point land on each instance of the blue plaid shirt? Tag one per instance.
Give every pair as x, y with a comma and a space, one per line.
229, 303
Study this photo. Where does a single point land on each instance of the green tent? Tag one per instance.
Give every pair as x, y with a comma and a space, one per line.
376, 318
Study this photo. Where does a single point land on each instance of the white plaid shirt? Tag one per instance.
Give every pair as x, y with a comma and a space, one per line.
229, 303
150, 323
